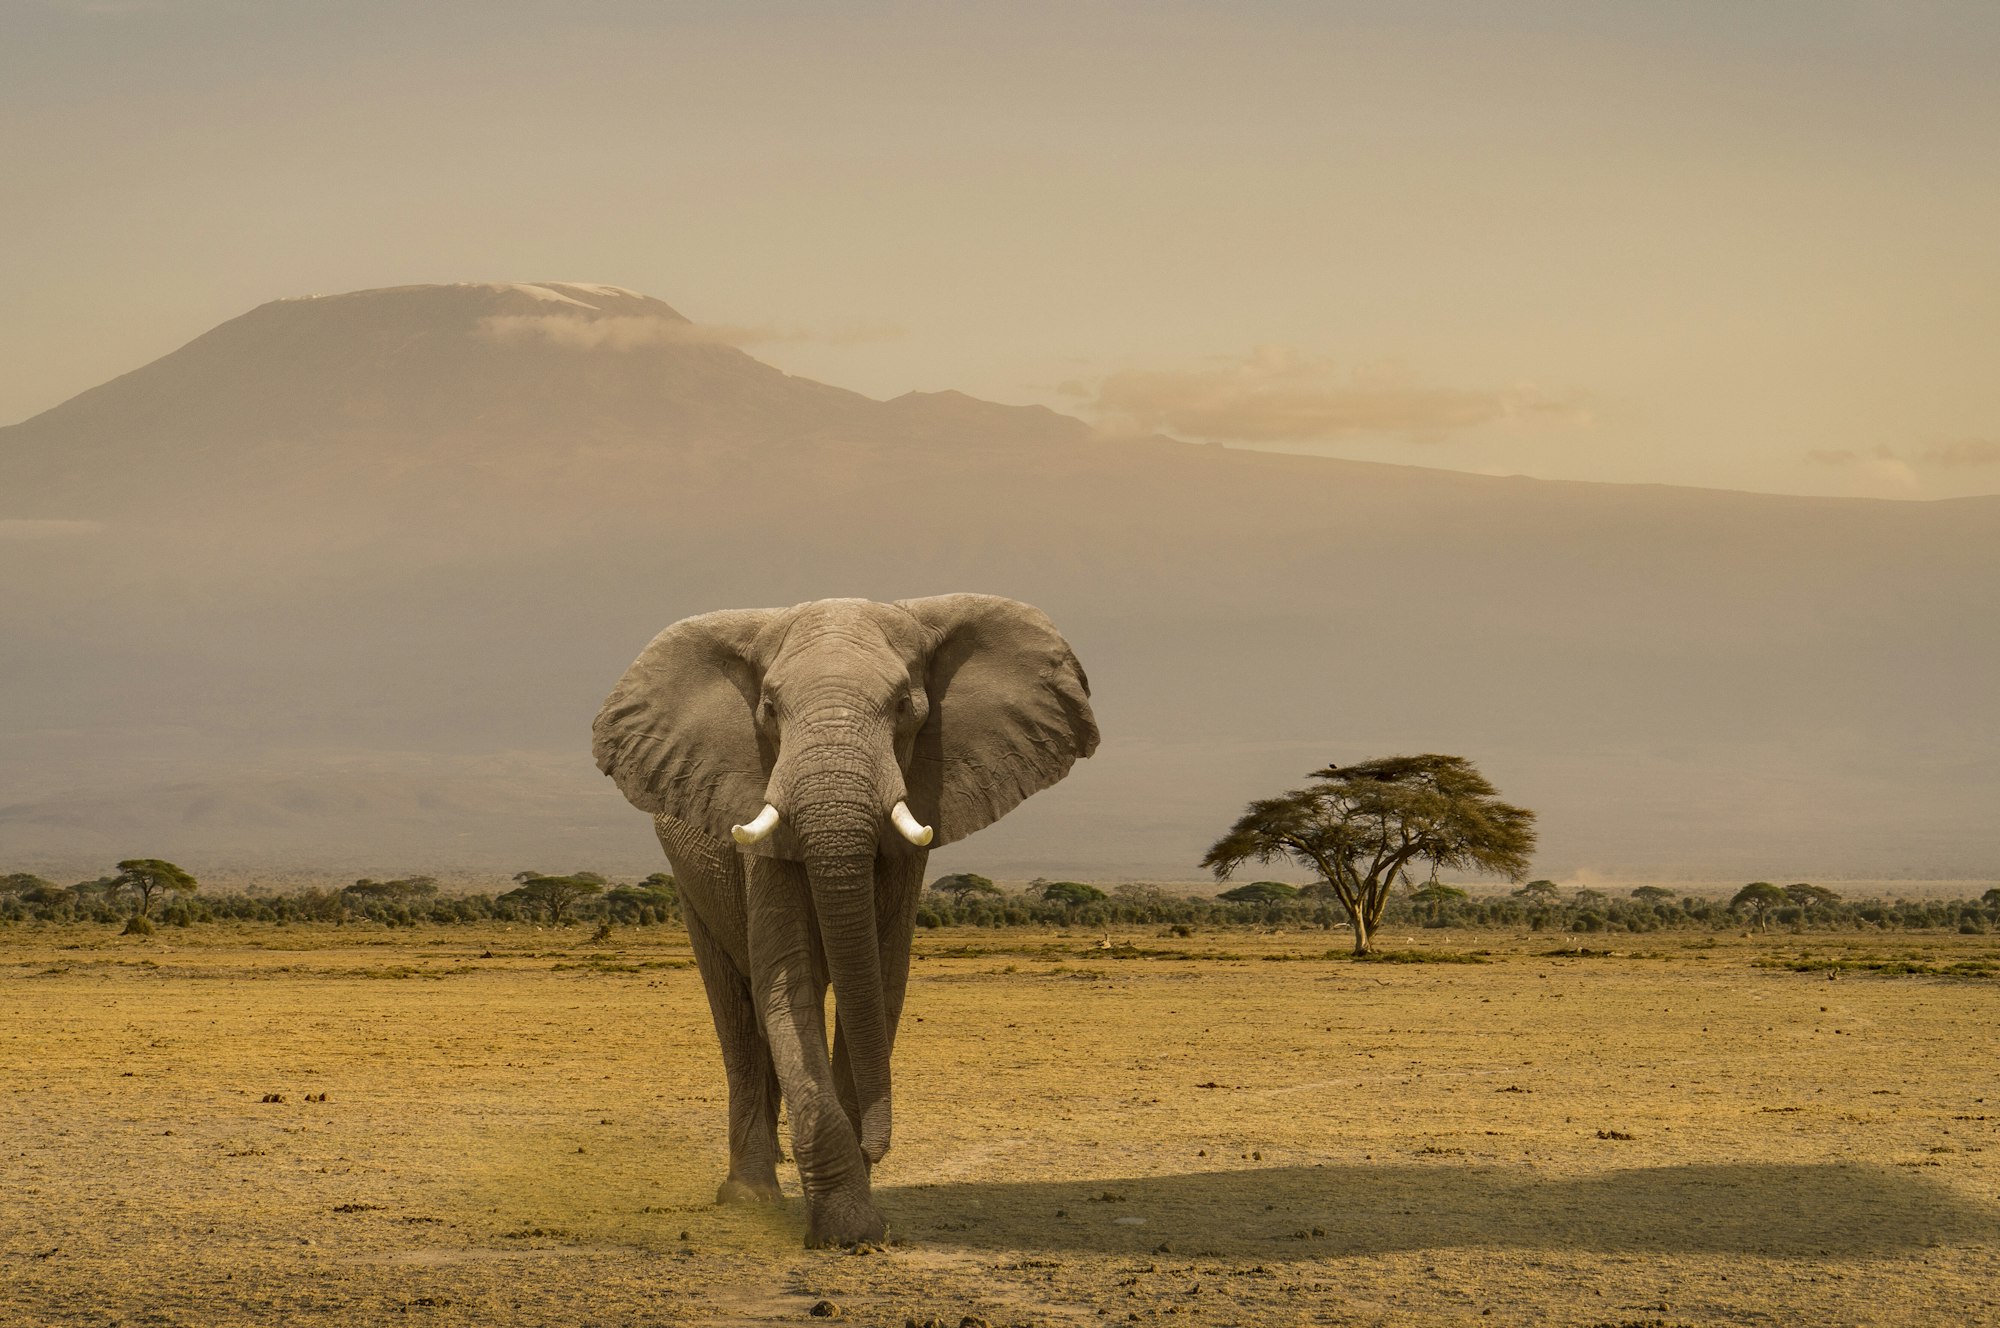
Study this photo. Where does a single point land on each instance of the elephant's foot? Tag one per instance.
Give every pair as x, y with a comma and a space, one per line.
749, 1190
845, 1222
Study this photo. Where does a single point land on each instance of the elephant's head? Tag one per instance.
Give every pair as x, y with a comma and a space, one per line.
830, 732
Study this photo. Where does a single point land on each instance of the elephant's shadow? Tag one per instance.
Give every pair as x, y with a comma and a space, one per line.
1303, 1212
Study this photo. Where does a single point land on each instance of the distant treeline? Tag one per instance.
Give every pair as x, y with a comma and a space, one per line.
409, 902
965, 899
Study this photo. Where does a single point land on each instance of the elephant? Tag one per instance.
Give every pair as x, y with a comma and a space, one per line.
799, 764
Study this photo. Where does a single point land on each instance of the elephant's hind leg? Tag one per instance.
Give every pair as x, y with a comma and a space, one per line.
746, 1062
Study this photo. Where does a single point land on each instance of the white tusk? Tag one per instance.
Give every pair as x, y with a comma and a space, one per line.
766, 822
905, 823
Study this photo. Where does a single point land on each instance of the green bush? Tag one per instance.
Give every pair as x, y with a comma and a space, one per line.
1260, 892
1072, 893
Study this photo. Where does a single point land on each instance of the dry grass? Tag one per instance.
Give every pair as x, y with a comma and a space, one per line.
519, 1127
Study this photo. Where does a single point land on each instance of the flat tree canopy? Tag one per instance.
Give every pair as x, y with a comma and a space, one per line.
962, 886
1758, 899
148, 877
1437, 896
1260, 892
1073, 893
399, 891
1139, 892
659, 891
1359, 827
555, 895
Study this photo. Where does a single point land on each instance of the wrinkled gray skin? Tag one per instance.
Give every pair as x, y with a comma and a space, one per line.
960, 705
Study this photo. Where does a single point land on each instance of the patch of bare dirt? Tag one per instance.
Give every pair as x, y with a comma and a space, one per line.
252, 1127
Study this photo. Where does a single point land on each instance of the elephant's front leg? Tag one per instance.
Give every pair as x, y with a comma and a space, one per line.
746, 1061
789, 995
711, 880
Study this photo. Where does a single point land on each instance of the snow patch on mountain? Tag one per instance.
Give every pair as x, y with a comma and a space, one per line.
594, 297
546, 292
617, 332
595, 288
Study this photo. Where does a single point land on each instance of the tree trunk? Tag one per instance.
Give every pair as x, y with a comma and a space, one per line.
1377, 900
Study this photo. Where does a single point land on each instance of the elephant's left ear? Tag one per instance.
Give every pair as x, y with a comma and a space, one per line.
679, 732
1009, 711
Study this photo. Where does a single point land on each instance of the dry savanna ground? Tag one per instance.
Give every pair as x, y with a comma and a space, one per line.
267, 1125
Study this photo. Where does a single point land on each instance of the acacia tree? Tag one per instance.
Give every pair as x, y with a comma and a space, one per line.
1072, 894
1359, 827
555, 895
1260, 892
963, 886
148, 877
1810, 897
392, 892
1759, 899
1437, 896
1139, 893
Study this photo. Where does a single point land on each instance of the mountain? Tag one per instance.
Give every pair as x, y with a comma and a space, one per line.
340, 583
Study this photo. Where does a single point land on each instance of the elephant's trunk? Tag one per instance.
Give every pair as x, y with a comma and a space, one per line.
837, 818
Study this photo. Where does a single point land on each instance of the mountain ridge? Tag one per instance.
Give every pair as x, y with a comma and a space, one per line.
379, 532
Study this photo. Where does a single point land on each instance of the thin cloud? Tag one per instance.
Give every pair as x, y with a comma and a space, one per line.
1844, 456
1275, 394
624, 332
1965, 452
1878, 473
856, 334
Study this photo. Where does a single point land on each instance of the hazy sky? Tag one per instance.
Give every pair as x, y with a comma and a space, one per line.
1740, 245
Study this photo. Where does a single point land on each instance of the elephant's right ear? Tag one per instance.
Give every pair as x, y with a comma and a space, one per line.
678, 733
